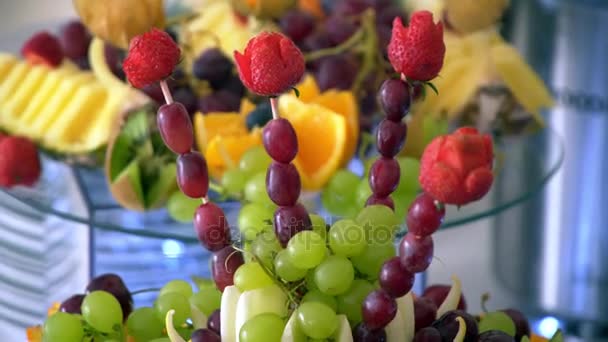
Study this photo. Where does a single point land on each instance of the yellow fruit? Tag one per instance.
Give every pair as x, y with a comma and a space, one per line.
308, 88
263, 8
471, 15
322, 139
223, 152
207, 127
313, 7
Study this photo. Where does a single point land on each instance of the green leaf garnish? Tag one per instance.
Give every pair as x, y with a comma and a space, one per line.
296, 91
432, 86
525, 339
557, 337
497, 321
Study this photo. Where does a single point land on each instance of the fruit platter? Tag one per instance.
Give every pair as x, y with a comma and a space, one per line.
310, 149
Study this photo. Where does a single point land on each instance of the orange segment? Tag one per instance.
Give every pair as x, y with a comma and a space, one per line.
536, 338
343, 103
321, 140
223, 152
207, 127
246, 107
314, 7
308, 88
34, 334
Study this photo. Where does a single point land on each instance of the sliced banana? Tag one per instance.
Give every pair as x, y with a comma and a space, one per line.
171, 332
452, 300
230, 298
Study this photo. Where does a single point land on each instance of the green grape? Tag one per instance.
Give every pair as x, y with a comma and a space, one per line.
347, 238
363, 193
318, 225
173, 301
310, 280
162, 339
180, 286
318, 296
285, 269
255, 160
433, 127
102, 311
306, 249
402, 203
370, 261
334, 275
181, 208
316, 320
233, 181
349, 303
380, 223
63, 327
203, 283
251, 276
253, 219
206, 300
338, 196
367, 165
497, 321
408, 181
264, 327
143, 325
255, 190
265, 247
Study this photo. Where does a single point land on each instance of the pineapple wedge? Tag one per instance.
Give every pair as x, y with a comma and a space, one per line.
64, 109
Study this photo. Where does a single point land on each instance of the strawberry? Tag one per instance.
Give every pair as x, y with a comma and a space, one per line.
19, 162
43, 48
151, 58
270, 65
417, 51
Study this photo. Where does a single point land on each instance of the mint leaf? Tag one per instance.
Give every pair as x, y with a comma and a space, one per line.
296, 91
497, 321
557, 337
432, 86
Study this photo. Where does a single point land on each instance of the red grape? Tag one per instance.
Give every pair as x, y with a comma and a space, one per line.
424, 216
220, 101
336, 72
416, 253
362, 333
212, 66
339, 29
350, 7
390, 137
205, 335
425, 312
72, 304
213, 323
395, 279
379, 309
522, 326
448, 326
297, 24
234, 86
283, 184
394, 97
113, 284
316, 41
224, 264
288, 221
192, 176
75, 39
437, 293
211, 226
280, 140
175, 127
386, 16
114, 57
186, 96
154, 91
384, 176
428, 334
386, 201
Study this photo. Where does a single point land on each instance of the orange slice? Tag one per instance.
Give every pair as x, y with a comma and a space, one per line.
308, 88
343, 103
223, 152
207, 127
322, 136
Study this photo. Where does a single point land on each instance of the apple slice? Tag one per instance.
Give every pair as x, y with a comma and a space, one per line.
230, 298
401, 328
452, 299
291, 333
269, 299
344, 332
171, 332
199, 319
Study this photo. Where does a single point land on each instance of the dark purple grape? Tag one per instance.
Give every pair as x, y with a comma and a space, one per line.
288, 221
384, 176
72, 304
220, 101
280, 140
437, 293
297, 25
495, 336
416, 253
205, 335
186, 96
379, 5
336, 72
260, 116
74, 39
83, 63
283, 184
378, 309
427, 334
213, 323
448, 326
386, 201
387, 15
192, 175
211, 227
114, 57
417, 91
113, 284
212, 66
175, 127
233, 85
339, 29
350, 7
384, 37
395, 279
362, 333
522, 326
154, 91
425, 312
390, 137
317, 41
394, 97
223, 265
424, 216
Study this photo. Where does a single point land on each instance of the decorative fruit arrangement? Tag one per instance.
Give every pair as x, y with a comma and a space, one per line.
303, 279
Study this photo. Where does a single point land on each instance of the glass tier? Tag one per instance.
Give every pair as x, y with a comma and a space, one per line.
539, 155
